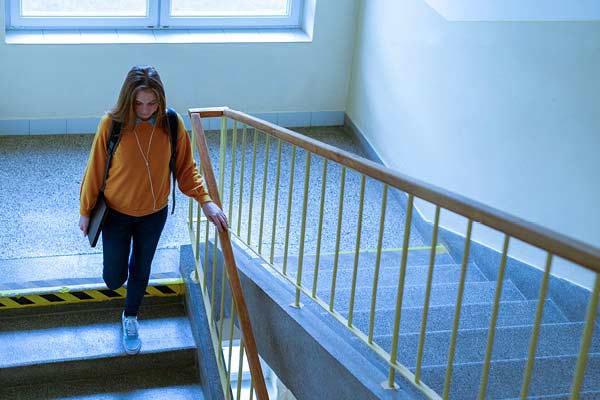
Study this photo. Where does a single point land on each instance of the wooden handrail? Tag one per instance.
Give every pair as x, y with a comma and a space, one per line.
556, 243
234, 279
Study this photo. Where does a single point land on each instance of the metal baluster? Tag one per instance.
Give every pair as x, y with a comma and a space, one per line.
252, 188
230, 348
536, 327
586, 340
276, 200
264, 194
494, 319
377, 262
222, 307
198, 220
302, 230
222, 153
320, 228
338, 238
240, 370
427, 294
231, 181
242, 180
289, 211
214, 279
461, 288
399, 295
205, 263
357, 248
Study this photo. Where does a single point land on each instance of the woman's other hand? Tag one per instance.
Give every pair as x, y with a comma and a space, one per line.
84, 224
215, 215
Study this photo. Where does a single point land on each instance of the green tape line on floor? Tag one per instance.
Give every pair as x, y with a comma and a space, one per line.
439, 249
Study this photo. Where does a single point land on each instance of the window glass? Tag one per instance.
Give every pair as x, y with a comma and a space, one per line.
226, 8
84, 8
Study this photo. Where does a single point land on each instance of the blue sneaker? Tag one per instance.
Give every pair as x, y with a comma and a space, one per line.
131, 337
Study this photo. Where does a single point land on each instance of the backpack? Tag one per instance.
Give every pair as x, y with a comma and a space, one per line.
115, 138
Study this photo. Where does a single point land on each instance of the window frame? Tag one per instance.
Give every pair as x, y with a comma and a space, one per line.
292, 20
158, 17
17, 21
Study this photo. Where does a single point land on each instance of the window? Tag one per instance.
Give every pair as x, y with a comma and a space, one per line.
154, 14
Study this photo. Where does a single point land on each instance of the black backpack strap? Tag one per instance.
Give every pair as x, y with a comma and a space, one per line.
173, 124
111, 146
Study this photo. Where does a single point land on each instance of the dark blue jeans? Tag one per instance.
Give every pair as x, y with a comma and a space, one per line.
129, 244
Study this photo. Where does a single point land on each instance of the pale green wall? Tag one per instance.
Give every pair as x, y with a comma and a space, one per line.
72, 81
505, 113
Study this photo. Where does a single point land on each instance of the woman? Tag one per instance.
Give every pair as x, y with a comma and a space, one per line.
137, 189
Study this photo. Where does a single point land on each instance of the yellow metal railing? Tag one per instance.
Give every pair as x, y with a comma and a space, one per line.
230, 289
331, 218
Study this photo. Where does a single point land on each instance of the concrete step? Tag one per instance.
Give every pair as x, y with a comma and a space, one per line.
367, 259
441, 294
415, 275
80, 268
164, 383
589, 395
473, 316
510, 343
551, 375
85, 344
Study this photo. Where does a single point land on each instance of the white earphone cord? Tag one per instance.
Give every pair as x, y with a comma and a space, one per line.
146, 160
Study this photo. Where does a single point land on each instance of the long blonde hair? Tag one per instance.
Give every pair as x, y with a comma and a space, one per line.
140, 77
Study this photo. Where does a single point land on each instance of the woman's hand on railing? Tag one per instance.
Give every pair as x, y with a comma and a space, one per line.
215, 215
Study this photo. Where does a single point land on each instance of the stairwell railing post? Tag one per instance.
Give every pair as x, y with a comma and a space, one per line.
377, 262
302, 230
361, 204
232, 177
493, 320
264, 194
586, 340
242, 169
289, 211
230, 265
320, 227
249, 240
539, 312
276, 200
459, 298
405, 244
338, 236
427, 294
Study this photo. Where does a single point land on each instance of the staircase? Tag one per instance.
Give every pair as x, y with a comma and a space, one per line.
560, 334
67, 351
558, 345
75, 351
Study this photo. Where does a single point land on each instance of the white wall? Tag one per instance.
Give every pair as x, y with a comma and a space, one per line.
506, 113
75, 81
517, 10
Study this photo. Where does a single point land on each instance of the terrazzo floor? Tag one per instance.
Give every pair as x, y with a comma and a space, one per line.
40, 177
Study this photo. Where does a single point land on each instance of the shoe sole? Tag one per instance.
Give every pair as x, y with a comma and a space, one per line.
132, 351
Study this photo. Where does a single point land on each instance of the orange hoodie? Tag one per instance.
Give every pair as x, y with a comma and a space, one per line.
131, 187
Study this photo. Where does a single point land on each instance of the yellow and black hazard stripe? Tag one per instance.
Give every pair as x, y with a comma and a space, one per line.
73, 291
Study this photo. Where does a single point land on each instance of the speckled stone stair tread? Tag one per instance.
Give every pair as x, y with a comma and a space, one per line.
366, 260
441, 294
76, 344
473, 316
415, 275
164, 383
551, 375
561, 339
